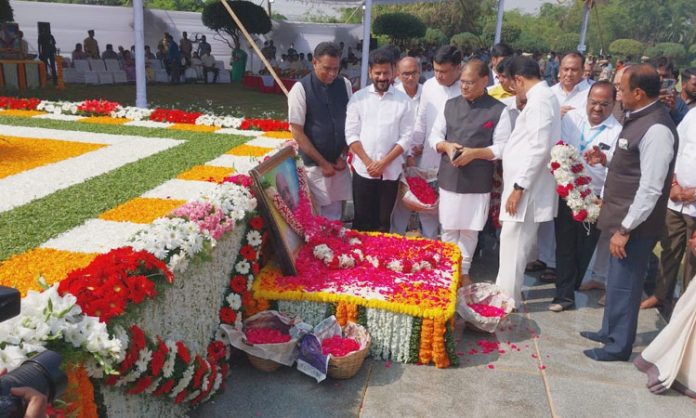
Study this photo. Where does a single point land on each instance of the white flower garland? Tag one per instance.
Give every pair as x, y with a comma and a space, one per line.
574, 185
185, 380
174, 238
219, 121
168, 367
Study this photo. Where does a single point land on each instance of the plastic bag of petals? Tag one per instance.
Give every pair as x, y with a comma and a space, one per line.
483, 305
418, 190
262, 336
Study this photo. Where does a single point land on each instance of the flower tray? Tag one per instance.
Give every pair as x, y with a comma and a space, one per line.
263, 364
348, 366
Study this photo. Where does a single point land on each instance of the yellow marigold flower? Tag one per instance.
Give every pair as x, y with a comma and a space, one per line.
206, 173
22, 271
193, 128
21, 113
21, 154
104, 120
245, 150
278, 134
141, 210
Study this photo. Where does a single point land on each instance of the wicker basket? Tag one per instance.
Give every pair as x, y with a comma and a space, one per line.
263, 364
347, 366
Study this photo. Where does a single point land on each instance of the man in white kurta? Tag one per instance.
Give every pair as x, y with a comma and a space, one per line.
436, 92
529, 195
472, 122
571, 93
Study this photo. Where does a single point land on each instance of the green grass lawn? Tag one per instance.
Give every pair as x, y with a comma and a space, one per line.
219, 99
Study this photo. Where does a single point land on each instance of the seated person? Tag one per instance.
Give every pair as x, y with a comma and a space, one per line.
148, 54
128, 64
109, 54
79, 53
208, 61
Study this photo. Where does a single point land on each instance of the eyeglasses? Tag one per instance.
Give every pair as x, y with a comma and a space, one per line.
409, 74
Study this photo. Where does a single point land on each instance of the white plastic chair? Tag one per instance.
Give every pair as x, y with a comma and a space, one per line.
100, 69
113, 67
223, 75
84, 73
161, 75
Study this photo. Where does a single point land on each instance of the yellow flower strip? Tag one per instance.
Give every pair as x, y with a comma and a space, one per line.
21, 154
21, 113
206, 173
249, 151
79, 394
104, 120
278, 134
265, 287
21, 271
193, 128
141, 210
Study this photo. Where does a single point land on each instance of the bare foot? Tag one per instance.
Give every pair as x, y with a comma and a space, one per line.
602, 300
651, 302
464, 280
591, 285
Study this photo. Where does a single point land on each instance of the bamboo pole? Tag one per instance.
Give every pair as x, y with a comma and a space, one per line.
251, 42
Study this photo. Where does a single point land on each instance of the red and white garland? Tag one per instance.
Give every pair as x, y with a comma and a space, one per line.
573, 183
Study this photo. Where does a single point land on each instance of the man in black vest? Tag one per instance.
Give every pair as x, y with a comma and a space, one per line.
470, 134
317, 115
635, 204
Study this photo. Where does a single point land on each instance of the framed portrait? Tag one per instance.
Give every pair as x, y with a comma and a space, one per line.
278, 191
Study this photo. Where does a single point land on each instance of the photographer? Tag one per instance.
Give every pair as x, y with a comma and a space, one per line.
668, 95
36, 402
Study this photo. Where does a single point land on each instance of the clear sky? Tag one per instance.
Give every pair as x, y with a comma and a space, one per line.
527, 6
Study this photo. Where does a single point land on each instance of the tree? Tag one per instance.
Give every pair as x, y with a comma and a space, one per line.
626, 48
567, 42
671, 50
434, 37
6, 12
399, 27
466, 41
527, 42
252, 16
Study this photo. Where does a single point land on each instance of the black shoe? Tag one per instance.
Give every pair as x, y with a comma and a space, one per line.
599, 354
594, 336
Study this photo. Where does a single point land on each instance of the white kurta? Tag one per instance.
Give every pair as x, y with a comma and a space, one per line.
576, 98
527, 154
467, 210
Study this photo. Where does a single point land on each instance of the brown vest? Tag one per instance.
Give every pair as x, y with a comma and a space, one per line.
624, 174
470, 124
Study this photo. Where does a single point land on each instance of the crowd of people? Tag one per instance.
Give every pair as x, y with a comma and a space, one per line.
181, 61
502, 111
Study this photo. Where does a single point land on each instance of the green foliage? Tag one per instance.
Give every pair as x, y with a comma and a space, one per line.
351, 15
252, 16
566, 43
626, 47
278, 16
6, 12
183, 5
34, 223
399, 27
672, 50
450, 16
434, 37
466, 41
692, 49
527, 42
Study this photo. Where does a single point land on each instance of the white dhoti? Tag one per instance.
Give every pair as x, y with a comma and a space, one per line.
462, 216
329, 193
516, 241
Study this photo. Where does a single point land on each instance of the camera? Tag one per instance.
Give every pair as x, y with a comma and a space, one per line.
41, 372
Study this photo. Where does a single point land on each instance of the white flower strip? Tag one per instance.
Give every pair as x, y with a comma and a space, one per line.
239, 163
181, 189
234, 131
148, 124
65, 118
95, 236
310, 312
47, 316
29, 185
219, 121
132, 113
264, 142
58, 108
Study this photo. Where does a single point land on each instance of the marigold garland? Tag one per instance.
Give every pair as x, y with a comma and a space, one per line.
425, 354
141, 210
440, 357
20, 154
206, 173
245, 150
22, 270
79, 395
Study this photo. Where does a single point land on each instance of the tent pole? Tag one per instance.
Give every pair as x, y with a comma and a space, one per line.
140, 75
499, 22
367, 29
251, 42
583, 29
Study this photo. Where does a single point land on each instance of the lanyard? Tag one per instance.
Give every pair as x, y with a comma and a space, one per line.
583, 143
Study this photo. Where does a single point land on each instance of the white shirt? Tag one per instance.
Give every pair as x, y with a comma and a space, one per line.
433, 99
527, 154
685, 168
576, 130
297, 102
415, 101
379, 122
656, 151
576, 98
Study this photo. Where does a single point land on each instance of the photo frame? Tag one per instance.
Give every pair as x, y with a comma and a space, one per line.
277, 178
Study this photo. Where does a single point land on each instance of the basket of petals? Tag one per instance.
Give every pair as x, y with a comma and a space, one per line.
347, 352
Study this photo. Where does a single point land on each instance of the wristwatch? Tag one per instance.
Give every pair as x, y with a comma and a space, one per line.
518, 187
623, 231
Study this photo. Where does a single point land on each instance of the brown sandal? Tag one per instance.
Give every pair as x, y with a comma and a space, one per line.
535, 266
548, 276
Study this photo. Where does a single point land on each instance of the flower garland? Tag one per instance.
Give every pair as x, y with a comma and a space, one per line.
573, 183
97, 107
113, 280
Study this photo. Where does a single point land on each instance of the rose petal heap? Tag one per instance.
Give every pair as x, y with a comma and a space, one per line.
266, 336
338, 346
487, 310
420, 188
